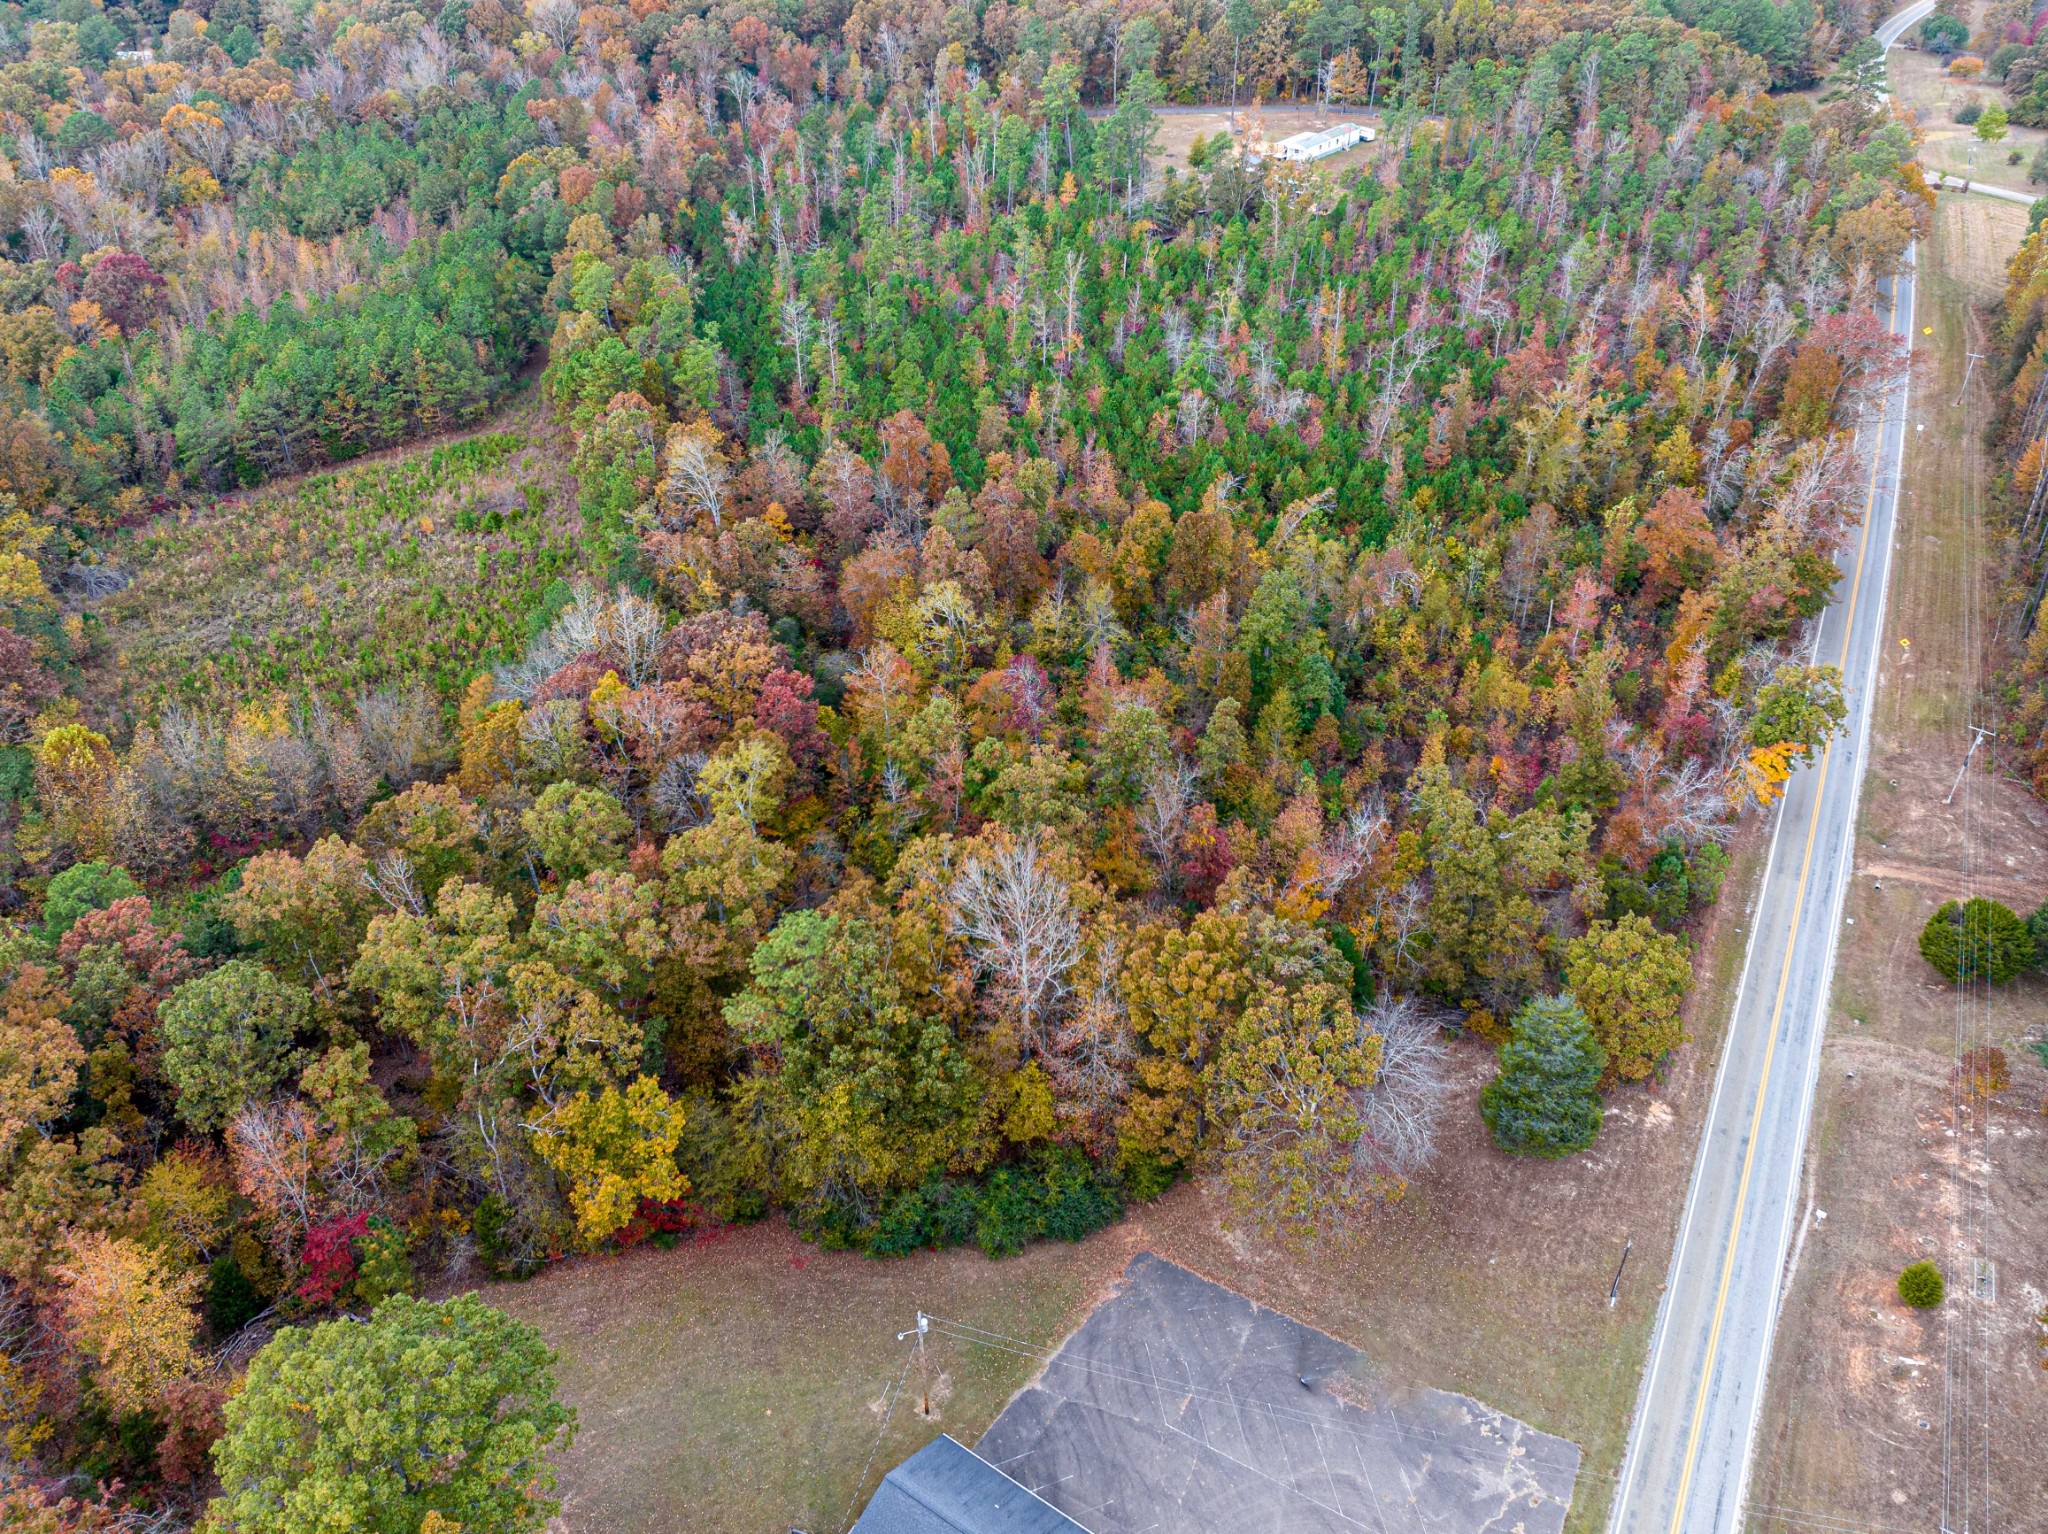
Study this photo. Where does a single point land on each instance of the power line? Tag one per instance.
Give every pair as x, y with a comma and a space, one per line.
1967, 1375
888, 1411
1829, 1523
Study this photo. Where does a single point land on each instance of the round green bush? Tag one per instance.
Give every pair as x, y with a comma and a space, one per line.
1920, 1286
1977, 940
80, 888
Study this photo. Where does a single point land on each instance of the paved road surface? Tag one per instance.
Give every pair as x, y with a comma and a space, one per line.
1687, 1465
1897, 25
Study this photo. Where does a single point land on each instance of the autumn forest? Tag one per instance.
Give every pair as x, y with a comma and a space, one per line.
786, 616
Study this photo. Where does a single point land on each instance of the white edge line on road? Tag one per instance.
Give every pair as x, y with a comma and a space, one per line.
1845, 866
1653, 1364
1655, 1361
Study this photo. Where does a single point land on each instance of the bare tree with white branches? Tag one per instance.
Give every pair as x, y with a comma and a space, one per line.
694, 485
1018, 920
1092, 1049
1170, 794
1399, 1111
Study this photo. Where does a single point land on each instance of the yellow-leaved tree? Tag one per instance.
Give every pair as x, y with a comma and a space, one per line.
612, 1151
1763, 774
128, 1312
74, 781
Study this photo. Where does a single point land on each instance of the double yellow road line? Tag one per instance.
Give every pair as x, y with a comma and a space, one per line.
1699, 1411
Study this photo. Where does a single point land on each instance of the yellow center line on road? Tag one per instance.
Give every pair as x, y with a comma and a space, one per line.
1699, 1411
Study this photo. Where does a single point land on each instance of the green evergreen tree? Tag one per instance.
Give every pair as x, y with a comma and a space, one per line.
1977, 940
1546, 1099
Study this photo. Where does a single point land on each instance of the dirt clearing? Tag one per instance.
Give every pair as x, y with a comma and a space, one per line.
1179, 127
1879, 1414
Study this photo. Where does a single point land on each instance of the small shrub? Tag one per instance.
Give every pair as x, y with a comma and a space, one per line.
330, 1258
1147, 1174
937, 1213
1010, 1212
1920, 1286
1077, 1201
1057, 1195
665, 1223
382, 1269
488, 1225
1982, 1072
1966, 66
727, 1183
1969, 112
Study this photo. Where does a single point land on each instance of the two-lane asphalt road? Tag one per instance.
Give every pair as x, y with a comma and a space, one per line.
1687, 1464
1895, 26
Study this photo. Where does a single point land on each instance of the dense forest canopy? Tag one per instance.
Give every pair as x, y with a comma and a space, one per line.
1036, 667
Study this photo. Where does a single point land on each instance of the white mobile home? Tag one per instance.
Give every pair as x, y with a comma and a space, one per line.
1329, 141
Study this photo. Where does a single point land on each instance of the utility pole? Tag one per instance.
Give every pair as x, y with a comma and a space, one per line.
924, 1325
1975, 358
1980, 733
1614, 1289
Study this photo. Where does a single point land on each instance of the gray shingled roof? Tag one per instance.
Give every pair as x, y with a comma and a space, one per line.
945, 1489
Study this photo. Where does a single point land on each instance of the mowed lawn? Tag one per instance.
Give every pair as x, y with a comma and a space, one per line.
741, 1384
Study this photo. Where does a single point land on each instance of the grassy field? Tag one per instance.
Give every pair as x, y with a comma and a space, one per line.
741, 1385
1879, 1415
419, 565
1923, 84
